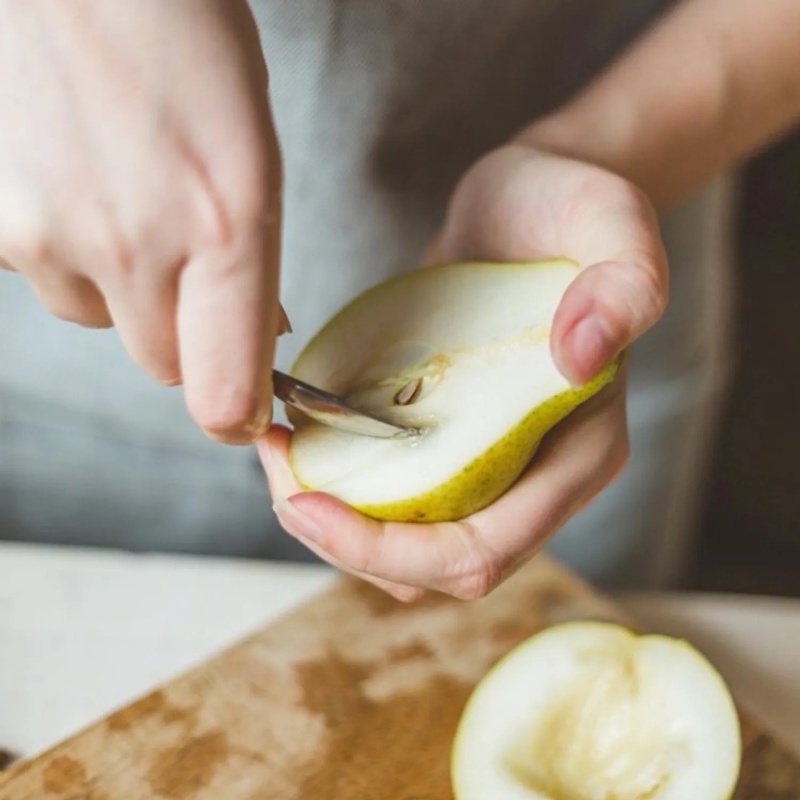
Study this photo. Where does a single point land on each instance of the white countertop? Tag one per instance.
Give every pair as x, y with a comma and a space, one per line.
83, 632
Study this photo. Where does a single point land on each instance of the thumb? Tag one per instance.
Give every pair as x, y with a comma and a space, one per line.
607, 307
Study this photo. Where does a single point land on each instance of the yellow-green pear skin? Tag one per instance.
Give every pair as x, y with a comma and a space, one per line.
467, 345
491, 475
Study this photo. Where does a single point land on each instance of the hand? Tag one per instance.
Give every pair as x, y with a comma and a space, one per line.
516, 204
140, 187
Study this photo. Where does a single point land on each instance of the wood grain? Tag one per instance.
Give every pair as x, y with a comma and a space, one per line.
353, 696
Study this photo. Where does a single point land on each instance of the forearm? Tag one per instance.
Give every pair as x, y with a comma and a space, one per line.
709, 85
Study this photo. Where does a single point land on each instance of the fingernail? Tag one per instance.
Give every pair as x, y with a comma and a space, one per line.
588, 346
297, 522
284, 325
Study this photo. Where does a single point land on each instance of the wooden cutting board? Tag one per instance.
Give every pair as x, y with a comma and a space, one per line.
351, 697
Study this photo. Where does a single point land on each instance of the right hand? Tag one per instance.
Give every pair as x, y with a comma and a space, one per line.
140, 187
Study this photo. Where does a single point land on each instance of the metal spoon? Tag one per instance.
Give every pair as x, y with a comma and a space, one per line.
330, 409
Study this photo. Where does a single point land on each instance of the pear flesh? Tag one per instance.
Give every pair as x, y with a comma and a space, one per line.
461, 354
593, 711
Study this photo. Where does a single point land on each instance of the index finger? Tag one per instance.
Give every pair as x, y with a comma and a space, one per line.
228, 320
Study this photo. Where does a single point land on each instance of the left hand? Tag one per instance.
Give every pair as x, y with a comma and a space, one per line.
516, 204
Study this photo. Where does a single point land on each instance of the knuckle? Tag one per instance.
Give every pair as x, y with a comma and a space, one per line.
619, 457
68, 308
652, 289
340, 555
612, 463
615, 189
412, 595
97, 242
153, 348
108, 249
233, 196
404, 594
480, 569
637, 296
98, 322
366, 561
229, 417
28, 246
67, 312
612, 467
632, 191
26, 238
641, 201
253, 197
116, 255
162, 365
485, 214
477, 583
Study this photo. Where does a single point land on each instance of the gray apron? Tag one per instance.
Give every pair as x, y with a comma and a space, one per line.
380, 105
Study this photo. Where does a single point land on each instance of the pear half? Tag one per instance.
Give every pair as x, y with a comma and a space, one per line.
461, 353
593, 711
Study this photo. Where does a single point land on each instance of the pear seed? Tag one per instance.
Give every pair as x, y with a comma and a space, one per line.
409, 393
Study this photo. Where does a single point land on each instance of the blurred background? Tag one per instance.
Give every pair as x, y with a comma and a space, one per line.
751, 521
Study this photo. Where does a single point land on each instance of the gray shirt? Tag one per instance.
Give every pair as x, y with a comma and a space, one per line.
380, 105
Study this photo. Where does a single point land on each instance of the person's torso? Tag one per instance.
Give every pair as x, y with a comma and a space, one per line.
380, 106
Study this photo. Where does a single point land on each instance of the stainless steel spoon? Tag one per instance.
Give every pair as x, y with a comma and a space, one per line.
330, 409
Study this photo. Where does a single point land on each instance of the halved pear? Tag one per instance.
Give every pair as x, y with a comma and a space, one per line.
593, 711
460, 352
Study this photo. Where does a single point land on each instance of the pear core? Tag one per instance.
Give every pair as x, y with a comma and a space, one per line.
604, 734
593, 711
460, 353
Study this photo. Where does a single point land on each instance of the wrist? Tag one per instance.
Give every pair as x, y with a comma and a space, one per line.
653, 152
664, 130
